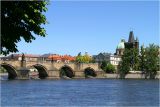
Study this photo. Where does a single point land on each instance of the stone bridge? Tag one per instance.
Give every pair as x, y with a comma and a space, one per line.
50, 69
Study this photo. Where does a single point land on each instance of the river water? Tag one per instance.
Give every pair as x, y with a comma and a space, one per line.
80, 92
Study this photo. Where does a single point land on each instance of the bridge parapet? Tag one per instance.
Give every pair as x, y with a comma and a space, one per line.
15, 64
83, 66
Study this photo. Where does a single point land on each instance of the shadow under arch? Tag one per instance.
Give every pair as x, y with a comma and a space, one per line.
42, 70
89, 72
12, 72
66, 71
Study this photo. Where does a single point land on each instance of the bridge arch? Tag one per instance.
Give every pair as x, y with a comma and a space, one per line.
90, 72
42, 70
66, 71
12, 72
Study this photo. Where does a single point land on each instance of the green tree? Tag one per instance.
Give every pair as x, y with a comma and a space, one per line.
21, 20
142, 59
79, 57
135, 59
104, 64
107, 67
110, 68
93, 61
130, 61
124, 65
87, 58
83, 59
152, 60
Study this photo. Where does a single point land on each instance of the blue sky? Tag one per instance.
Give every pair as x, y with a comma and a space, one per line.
94, 26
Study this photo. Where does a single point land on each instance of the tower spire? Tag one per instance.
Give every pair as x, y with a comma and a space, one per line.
131, 37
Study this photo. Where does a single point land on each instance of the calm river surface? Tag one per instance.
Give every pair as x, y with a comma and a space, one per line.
82, 92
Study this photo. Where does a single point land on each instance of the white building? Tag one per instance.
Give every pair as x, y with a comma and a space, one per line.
114, 60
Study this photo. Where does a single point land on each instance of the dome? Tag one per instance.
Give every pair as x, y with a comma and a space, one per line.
121, 45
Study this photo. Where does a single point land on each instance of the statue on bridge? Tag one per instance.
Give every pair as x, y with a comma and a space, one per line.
23, 61
23, 57
24, 72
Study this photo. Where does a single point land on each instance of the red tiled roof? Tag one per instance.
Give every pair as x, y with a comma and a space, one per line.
59, 57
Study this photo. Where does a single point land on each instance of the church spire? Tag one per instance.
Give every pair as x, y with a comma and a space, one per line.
131, 37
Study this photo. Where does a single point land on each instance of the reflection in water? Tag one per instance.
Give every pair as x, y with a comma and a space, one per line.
82, 92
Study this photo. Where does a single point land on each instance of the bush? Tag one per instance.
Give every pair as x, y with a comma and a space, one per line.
103, 65
107, 67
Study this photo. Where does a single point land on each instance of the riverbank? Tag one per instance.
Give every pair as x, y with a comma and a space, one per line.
116, 76
107, 76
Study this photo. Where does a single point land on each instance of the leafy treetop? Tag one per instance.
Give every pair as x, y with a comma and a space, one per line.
21, 19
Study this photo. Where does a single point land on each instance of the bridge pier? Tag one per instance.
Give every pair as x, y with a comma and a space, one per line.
23, 73
79, 74
53, 74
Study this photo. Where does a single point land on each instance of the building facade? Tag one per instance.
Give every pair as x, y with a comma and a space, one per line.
113, 59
